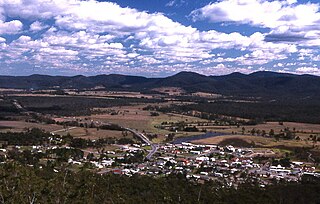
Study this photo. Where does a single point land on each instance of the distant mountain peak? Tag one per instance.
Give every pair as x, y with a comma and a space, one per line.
236, 74
79, 76
187, 73
269, 74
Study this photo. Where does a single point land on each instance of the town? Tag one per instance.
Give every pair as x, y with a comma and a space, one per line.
197, 162
157, 139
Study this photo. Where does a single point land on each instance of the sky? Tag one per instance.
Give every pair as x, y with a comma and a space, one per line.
157, 38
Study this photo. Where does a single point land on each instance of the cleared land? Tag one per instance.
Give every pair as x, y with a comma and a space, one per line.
303, 130
92, 133
18, 126
137, 118
118, 111
171, 91
245, 140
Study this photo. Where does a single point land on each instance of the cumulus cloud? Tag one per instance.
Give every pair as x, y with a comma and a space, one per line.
85, 35
308, 70
37, 26
36, 9
88, 20
11, 27
288, 21
269, 14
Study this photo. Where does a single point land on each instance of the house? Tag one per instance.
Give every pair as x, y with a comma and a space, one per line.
107, 162
195, 152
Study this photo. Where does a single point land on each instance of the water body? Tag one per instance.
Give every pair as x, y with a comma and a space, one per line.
196, 137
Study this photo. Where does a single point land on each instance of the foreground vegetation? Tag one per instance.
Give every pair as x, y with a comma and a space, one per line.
22, 184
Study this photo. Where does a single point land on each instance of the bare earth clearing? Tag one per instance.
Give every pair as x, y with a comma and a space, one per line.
255, 140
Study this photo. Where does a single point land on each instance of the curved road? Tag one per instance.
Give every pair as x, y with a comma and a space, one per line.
154, 147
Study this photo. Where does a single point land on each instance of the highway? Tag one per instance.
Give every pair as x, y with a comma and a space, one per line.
154, 147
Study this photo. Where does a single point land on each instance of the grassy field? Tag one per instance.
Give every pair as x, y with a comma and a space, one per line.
90, 133
93, 133
135, 117
18, 126
254, 141
303, 130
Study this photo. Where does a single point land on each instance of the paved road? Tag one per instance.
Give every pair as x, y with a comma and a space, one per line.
93, 152
154, 147
63, 130
310, 157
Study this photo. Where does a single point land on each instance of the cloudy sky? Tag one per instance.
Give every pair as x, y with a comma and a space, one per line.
158, 37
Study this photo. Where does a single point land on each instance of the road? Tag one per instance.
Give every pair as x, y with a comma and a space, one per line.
310, 157
154, 147
63, 130
19, 106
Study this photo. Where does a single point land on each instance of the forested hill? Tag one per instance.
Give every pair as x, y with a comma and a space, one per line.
255, 84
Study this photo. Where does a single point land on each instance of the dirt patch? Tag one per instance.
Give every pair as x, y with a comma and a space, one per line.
236, 142
171, 91
93, 133
206, 95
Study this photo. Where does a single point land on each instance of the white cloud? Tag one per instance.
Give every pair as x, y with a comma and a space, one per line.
289, 22
57, 51
269, 14
171, 3
159, 34
36, 9
176, 3
308, 70
104, 35
11, 27
37, 26
315, 58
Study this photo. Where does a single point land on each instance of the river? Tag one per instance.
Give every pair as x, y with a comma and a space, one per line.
179, 140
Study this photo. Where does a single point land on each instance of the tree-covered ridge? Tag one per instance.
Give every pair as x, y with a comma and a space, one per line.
305, 111
259, 84
75, 105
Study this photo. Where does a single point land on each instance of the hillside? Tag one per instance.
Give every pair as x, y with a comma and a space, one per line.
258, 84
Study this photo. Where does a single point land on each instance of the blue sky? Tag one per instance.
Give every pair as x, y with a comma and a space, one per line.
158, 37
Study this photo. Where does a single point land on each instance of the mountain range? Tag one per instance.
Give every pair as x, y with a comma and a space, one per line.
257, 84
